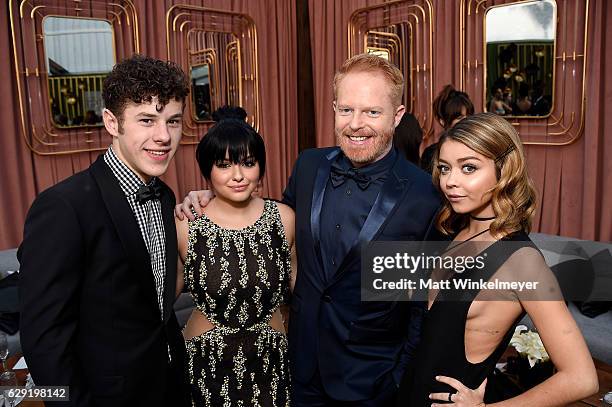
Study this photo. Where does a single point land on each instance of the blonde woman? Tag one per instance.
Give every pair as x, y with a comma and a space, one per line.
489, 200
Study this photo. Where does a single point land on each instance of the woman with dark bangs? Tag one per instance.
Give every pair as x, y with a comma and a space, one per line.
489, 200
238, 260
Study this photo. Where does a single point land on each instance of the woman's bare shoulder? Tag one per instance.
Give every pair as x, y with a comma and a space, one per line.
286, 212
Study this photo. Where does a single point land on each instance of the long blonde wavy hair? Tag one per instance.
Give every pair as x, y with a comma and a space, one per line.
513, 197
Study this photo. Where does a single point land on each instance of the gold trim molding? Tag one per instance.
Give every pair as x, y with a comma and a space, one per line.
35, 122
565, 124
417, 17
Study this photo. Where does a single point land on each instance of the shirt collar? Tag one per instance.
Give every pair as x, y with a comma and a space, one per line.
128, 180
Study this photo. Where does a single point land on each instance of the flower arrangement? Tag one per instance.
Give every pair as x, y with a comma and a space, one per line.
528, 344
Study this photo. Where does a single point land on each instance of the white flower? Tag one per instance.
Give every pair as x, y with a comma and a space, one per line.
529, 344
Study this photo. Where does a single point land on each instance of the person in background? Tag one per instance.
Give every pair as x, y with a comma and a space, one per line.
541, 104
508, 100
523, 103
408, 136
99, 256
498, 103
449, 107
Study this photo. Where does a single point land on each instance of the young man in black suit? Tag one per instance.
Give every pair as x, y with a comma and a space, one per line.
342, 351
99, 255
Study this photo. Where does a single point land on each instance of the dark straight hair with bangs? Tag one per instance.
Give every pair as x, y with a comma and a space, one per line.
231, 138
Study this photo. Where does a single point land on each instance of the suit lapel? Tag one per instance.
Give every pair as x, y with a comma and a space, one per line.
167, 207
392, 191
125, 223
318, 194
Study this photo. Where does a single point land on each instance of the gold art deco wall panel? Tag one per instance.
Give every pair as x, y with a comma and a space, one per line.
401, 31
226, 42
59, 68
563, 123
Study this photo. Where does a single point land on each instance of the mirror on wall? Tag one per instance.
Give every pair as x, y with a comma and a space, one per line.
394, 43
520, 58
200, 91
79, 54
215, 72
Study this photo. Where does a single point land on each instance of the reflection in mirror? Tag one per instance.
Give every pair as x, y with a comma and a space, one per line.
80, 54
383, 53
200, 89
215, 68
520, 58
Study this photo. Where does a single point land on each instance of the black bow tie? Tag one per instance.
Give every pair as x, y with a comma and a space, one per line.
146, 193
338, 176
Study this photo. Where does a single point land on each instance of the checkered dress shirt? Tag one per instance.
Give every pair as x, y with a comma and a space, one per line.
149, 217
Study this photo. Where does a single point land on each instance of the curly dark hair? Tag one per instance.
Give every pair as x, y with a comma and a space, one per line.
141, 78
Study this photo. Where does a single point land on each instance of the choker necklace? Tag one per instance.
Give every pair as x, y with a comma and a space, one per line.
483, 219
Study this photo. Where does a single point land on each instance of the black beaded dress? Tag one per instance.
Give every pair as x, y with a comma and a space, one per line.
238, 279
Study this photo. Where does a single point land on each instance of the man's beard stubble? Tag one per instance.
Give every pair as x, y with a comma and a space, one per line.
381, 143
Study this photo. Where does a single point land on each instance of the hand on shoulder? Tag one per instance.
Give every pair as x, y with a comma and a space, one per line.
195, 201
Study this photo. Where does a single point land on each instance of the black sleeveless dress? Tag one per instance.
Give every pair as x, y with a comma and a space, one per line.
238, 279
442, 348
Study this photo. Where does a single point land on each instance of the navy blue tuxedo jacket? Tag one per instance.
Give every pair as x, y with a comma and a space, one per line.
355, 345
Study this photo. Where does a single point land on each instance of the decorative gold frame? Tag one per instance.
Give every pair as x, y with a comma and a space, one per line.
36, 126
233, 70
394, 46
419, 17
562, 125
484, 38
183, 20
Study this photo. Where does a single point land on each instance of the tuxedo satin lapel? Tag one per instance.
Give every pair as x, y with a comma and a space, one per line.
125, 223
167, 209
318, 194
390, 195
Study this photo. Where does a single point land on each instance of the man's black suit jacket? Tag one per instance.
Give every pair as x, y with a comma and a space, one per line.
89, 312
356, 346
